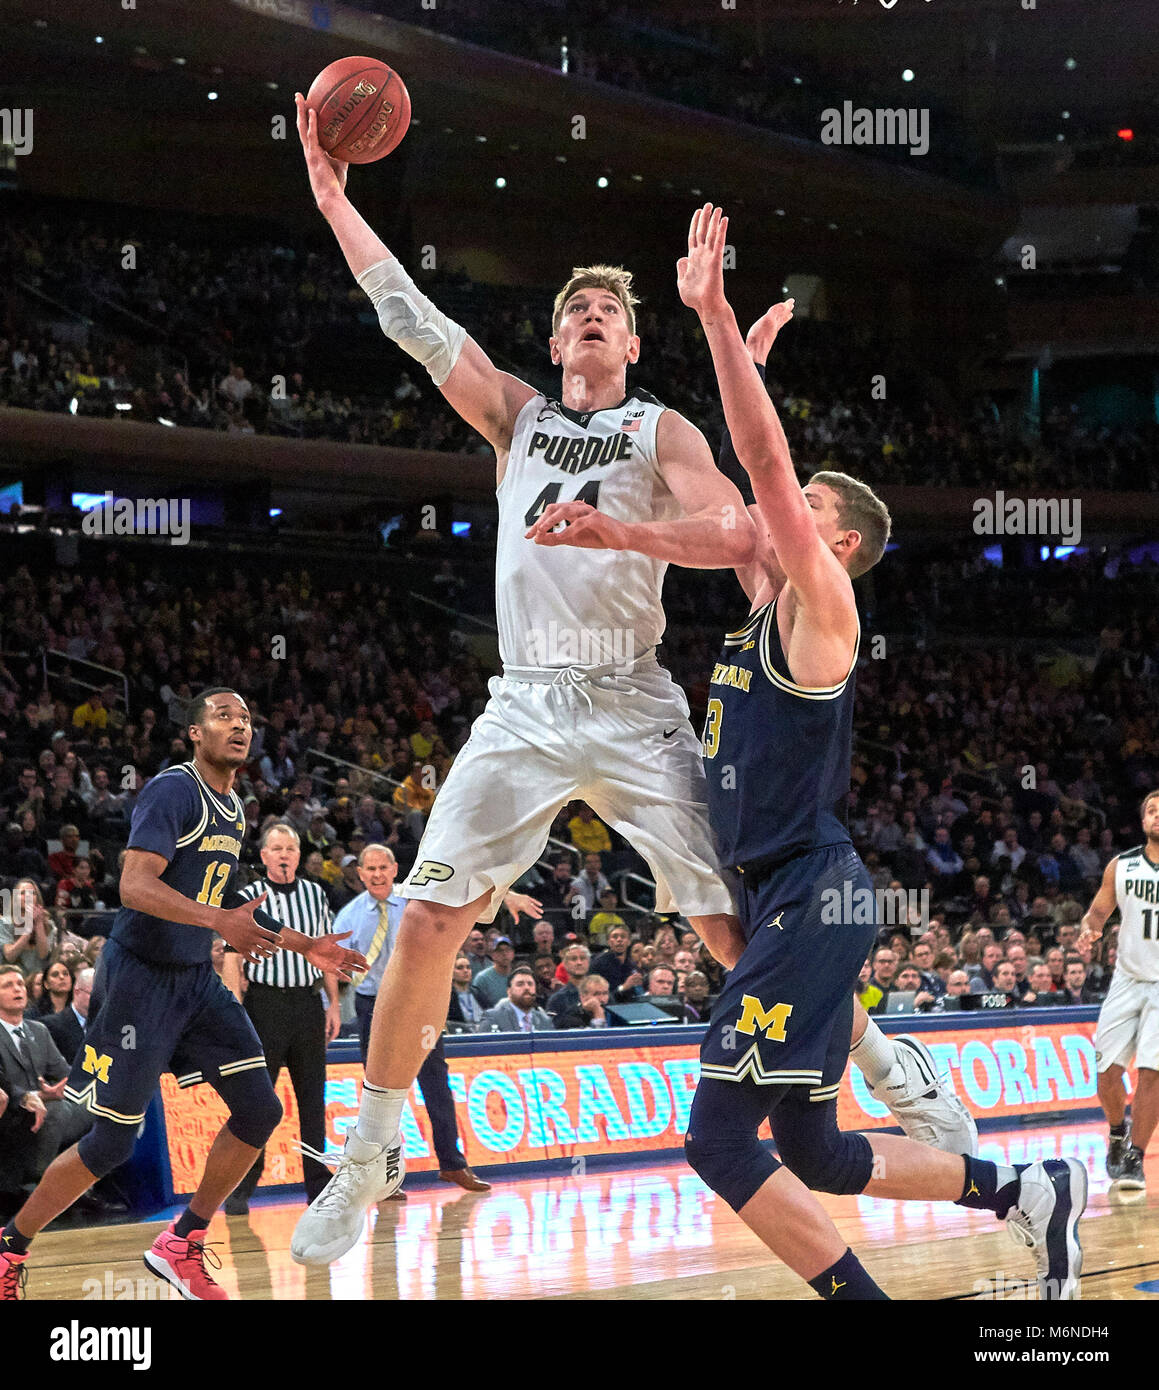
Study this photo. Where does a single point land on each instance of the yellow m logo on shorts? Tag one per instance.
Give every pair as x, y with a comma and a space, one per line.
96, 1066
755, 1018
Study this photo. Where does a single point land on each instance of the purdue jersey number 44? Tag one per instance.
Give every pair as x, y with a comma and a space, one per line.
563, 606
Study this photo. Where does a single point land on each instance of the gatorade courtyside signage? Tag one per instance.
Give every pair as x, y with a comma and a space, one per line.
523, 1107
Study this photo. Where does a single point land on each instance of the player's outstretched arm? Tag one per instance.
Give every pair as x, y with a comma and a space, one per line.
488, 399
1102, 905
326, 952
814, 572
715, 532
143, 890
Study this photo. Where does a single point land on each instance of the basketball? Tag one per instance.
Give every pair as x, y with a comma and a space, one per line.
363, 109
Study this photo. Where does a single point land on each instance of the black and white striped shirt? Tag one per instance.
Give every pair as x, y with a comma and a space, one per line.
301, 905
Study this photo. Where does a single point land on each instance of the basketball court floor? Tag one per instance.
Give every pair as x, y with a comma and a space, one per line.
633, 1233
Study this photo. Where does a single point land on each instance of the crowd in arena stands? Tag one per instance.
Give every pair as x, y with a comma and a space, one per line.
989, 786
252, 323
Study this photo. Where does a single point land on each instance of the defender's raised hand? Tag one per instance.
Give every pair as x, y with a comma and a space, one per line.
761, 336
700, 274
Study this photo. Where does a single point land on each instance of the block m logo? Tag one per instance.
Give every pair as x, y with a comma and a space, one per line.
755, 1018
96, 1066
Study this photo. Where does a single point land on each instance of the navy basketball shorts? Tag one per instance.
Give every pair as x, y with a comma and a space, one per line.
786, 1010
145, 1019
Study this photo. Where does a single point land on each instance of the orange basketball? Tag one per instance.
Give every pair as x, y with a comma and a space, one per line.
363, 109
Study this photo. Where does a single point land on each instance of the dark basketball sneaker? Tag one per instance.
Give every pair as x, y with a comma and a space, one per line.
1117, 1146
1131, 1175
1052, 1195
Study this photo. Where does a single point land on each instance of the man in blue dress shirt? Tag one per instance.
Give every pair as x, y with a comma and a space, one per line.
373, 919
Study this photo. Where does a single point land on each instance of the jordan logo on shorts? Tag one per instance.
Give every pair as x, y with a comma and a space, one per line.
776, 922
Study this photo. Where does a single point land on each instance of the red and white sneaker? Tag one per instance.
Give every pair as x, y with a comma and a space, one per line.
180, 1261
12, 1277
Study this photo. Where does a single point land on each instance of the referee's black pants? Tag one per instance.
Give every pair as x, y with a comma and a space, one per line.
436, 1089
291, 1023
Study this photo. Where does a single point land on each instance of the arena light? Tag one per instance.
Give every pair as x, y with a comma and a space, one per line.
161, 420
907, 75
500, 182
98, 39
275, 512
1071, 64
1126, 134
123, 405
212, 96
601, 182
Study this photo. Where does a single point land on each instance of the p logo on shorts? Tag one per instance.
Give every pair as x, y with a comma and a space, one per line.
756, 1018
430, 871
96, 1066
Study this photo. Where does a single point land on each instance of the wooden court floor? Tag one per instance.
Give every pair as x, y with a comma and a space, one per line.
635, 1233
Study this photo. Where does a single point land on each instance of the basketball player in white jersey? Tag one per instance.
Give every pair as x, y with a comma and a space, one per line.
1128, 1027
583, 708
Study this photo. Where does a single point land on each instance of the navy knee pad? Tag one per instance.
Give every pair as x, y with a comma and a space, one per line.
722, 1146
254, 1108
824, 1157
106, 1146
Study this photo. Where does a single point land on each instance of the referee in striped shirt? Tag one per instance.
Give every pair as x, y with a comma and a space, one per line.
282, 999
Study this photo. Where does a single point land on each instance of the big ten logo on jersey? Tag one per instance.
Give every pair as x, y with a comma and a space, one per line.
430, 871
755, 1018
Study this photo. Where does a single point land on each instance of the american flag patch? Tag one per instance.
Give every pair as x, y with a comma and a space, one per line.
629, 426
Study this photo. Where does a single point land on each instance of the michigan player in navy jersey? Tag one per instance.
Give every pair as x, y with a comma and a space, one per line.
1128, 1027
158, 1005
777, 747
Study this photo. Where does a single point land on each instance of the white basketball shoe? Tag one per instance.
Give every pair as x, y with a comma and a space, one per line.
922, 1103
332, 1223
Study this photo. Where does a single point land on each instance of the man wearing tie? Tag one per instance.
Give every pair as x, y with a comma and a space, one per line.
68, 1026
40, 1122
373, 919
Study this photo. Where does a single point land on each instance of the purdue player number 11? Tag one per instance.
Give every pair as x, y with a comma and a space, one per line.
1128, 1027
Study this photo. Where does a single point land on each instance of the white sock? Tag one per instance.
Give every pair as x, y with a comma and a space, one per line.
874, 1054
379, 1114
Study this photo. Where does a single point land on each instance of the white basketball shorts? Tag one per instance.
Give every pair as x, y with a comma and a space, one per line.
1128, 1026
620, 742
